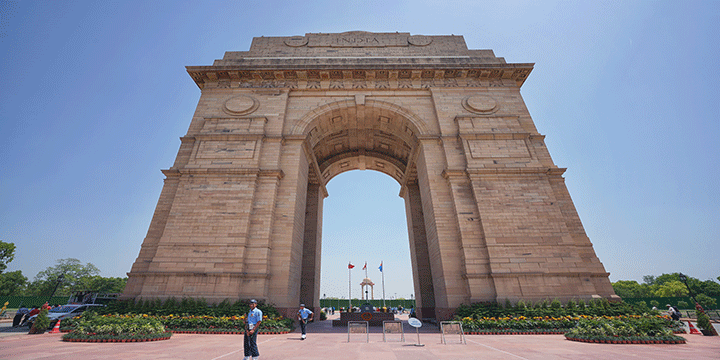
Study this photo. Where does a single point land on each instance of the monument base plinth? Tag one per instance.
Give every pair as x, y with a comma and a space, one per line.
373, 318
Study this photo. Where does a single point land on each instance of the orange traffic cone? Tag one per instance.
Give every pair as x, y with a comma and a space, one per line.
56, 329
693, 330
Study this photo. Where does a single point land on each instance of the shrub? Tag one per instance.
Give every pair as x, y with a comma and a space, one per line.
705, 301
42, 321
648, 326
703, 321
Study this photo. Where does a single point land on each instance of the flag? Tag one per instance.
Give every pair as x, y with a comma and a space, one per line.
365, 267
350, 266
380, 266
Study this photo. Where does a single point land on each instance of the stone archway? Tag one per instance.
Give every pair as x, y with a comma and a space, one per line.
240, 213
365, 134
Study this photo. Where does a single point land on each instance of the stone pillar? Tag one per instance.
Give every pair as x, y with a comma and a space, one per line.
310, 277
442, 233
419, 255
288, 233
475, 258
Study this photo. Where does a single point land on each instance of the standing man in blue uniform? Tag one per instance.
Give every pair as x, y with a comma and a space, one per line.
303, 316
252, 324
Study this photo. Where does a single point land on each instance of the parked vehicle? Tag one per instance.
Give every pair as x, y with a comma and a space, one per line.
65, 312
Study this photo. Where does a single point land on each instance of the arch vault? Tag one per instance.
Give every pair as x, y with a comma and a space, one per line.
240, 214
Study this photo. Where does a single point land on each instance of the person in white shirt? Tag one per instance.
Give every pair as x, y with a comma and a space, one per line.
303, 316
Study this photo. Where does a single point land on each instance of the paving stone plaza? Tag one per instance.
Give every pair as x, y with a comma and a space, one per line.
327, 342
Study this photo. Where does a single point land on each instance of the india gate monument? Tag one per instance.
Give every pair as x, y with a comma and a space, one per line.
488, 214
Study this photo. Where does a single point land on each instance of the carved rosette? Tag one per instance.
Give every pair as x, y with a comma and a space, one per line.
296, 41
419, 40
240, 105
480, 104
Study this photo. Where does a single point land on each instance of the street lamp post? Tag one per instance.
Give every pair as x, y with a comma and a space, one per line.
683, 278
60, 279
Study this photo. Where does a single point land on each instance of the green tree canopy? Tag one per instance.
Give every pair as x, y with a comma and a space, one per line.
663, 285
102, 284
12, 283
73, 272
631, 289
7, 254
670, 289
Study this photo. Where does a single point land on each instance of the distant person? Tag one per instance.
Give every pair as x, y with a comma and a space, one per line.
34, 311
673, 312
252, 324
22, 311
303, 316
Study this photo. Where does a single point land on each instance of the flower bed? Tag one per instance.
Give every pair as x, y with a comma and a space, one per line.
627, 339
93, 328
116, 338
520, 324
626, 330
606, 328
197, 324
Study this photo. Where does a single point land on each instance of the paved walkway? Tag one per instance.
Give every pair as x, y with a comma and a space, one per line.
326, 342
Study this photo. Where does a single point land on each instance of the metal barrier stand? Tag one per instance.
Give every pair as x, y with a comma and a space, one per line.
452, 328
358, 327
393, 327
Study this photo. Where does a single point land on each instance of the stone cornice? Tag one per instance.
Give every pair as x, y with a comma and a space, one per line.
287, 76
515, 274
279, 174
516, 171
243, 275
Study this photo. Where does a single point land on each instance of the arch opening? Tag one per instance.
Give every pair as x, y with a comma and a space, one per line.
365, 137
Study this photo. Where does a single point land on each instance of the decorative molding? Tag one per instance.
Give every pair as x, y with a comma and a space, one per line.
487, 76
480, 104
538, 273
225, 172
240, 105
517, 171
245, 275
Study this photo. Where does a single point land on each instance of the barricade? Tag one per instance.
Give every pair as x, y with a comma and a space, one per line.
452, 328
393, 327
358, 327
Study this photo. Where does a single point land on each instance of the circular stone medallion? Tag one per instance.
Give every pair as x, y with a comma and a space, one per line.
480, 104
296, 41
240, 105
419, 40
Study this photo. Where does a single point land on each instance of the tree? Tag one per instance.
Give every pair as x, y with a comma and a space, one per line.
710, 288
631, 289
7, 254
705, 301
73, 272
102, 284
670, 289
649, 279
12, 283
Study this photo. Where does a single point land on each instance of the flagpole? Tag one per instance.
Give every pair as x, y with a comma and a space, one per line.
383, 283
349, 289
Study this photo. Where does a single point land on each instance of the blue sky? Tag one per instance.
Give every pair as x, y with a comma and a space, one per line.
95, 96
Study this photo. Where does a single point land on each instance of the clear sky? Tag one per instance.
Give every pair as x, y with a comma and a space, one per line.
95, 96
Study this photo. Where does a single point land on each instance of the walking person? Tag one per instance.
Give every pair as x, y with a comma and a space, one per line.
303, 316
252, 325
